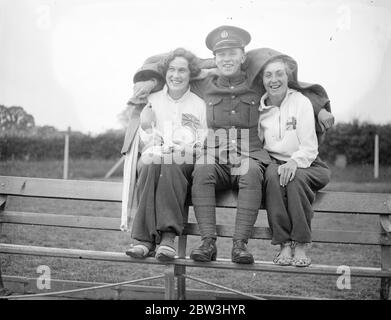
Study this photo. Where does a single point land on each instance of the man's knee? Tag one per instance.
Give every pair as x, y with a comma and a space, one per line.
204, 173
254, 176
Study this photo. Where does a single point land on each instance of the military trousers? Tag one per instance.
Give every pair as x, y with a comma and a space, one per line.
289, 209
211, 176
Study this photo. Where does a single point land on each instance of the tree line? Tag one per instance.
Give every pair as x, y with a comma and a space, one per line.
21, 139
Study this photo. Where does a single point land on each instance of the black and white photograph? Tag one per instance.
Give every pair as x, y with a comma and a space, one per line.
214, 151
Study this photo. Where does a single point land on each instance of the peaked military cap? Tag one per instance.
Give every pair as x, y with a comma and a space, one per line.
225, 37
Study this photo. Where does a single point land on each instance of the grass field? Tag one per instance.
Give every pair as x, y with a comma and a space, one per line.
358, 178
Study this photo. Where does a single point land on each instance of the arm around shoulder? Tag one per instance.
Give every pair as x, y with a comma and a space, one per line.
151, 70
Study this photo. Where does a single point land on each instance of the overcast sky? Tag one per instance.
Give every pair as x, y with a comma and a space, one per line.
70, 62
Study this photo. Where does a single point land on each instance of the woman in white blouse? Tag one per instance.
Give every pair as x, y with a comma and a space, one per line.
287, 127
170, 132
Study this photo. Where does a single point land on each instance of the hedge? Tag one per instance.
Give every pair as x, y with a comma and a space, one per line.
357, 141
105, 146
354, 140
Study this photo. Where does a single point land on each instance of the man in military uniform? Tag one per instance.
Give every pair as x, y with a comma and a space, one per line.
232, 112
234, 157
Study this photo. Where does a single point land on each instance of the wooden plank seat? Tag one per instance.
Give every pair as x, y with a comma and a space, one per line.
326, 202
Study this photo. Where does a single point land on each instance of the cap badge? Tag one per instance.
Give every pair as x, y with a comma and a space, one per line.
224, 34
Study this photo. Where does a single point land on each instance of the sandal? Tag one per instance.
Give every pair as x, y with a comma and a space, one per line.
139, 251
302, 262
283, 260
165, 253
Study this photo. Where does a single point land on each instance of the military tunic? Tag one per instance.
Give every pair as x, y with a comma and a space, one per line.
232, 107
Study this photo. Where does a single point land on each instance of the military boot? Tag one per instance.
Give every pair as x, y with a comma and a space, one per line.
207, 251
240, 254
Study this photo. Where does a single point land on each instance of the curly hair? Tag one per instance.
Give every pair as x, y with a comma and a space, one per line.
189, 56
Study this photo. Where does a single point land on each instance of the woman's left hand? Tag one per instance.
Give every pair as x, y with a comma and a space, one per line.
287, 172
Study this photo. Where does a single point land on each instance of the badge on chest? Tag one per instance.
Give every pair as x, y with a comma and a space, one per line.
291, 123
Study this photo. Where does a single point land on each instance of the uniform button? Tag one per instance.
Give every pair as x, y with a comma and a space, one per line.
232, 87
252, 102
233, 97
233, 111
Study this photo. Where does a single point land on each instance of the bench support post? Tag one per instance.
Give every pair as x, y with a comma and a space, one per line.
3, 200
385, 283
181, 270
385, 289
169, 283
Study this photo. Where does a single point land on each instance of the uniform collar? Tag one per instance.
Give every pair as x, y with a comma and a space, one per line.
231, 81
263, 106
165, 90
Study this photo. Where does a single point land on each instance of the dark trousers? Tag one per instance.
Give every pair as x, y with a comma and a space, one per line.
161, 192
209, 177
289, 209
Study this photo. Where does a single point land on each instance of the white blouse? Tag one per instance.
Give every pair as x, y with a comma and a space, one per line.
288, 131
183, 119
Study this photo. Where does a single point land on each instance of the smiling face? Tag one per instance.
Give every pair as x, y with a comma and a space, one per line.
275, 79
229, 61
178, 76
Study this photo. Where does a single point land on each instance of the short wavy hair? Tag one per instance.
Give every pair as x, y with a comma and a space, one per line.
290, 68
194, 65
